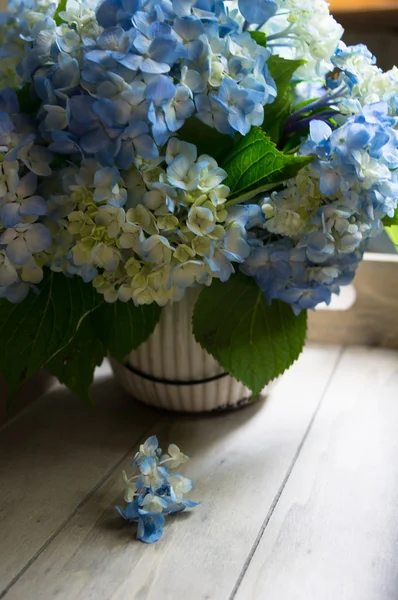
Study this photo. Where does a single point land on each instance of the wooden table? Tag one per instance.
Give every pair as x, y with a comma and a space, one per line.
300, 492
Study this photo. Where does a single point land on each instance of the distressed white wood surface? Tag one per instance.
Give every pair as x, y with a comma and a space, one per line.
240, 462
334, 533
52, 456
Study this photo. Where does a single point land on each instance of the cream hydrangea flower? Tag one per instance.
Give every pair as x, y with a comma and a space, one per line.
305, 30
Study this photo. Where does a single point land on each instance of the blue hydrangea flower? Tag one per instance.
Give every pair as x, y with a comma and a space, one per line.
150, 527
20, 200
117, 12
22, 241
89, 188
114, 47
240, 105
156, 46
92, 125
136, 140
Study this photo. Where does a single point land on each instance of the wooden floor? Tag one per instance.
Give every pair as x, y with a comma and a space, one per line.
300, 493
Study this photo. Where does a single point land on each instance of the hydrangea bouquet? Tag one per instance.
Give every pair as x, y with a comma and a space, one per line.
150, 146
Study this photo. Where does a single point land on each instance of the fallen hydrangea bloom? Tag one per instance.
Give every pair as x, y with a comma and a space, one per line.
154, 492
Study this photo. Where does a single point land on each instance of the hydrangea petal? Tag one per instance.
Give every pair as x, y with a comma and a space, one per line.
38, 238
18, 251
257, 11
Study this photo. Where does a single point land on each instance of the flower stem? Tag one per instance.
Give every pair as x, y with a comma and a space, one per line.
281, 34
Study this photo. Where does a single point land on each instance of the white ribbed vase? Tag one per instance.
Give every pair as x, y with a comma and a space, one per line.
172, 371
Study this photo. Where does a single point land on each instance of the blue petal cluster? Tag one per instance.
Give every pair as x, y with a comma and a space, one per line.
86, 186
98, 181
155, 492
329, 212
21, 204
359, 162
141, 67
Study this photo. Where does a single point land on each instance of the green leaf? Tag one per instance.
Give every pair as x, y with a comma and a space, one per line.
36, 330
275, 114
207, 139
305, 103
259, 37
390, 221
122, 326
27, 104
252, 340
391, 226
393, 234
255, 165
60, 8
282, 69
293, 143
74, 365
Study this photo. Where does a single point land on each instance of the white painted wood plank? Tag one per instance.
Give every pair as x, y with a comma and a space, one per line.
52, 455
239, 462
334, 532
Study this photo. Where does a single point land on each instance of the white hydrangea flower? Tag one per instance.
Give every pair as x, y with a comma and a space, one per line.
153, 504
156, 249
31, 272
81, 15
177, 146
305, 30
201, 220
371, 84
147, 449
180, 486
171, 237
106, 257
111, 218
130, 488
174, 458
192, 271
152, 474
82, 252
288, 211
370, 170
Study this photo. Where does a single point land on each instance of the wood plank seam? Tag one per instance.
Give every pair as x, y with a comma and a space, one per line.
94, 555
286, 478
87, 497
333, 534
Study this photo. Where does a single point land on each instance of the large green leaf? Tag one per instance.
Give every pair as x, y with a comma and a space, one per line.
207, 139
122, 327
74, 365
282, 69
275, 114
252, 340
115, 328
36, 330
255, 165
